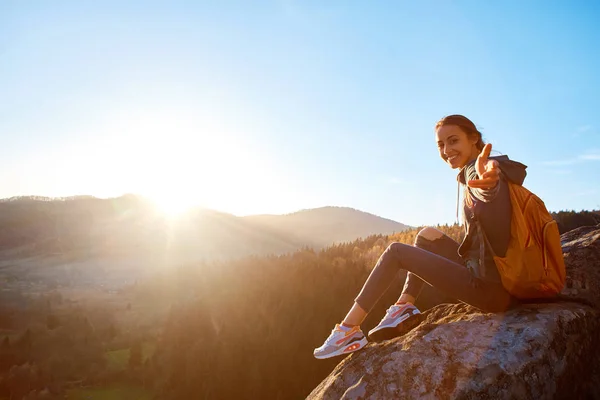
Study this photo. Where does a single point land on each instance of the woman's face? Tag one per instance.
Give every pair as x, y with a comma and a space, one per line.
455, 147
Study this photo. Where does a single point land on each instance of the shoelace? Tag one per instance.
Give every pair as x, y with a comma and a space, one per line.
392, 309
333, 336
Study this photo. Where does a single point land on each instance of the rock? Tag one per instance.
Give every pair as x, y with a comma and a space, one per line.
533, 352
581, 248
536, 351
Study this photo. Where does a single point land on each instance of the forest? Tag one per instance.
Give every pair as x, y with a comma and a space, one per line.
243, 328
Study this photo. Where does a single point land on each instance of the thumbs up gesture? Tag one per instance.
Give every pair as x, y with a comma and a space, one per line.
488, 171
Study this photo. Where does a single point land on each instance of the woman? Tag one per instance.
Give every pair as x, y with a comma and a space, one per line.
463, 271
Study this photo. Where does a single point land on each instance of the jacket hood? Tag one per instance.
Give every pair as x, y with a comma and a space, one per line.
514, 171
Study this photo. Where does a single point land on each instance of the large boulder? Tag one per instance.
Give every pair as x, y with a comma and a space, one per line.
536, 351
581, 249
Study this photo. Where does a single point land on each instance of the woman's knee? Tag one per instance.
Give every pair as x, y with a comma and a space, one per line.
429, 233
427, 236
395, 248
392, 251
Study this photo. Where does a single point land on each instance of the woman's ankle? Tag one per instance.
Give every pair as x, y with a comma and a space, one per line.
406, 298
355, 316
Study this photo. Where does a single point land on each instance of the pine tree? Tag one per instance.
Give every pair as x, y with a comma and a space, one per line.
135, 355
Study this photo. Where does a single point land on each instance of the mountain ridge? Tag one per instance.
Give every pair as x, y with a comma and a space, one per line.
131, 223
337, 224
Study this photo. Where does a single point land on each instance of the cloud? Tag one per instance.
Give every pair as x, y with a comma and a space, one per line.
590, 155
562, 172
584, 128
586, 193
556, 163
394, 180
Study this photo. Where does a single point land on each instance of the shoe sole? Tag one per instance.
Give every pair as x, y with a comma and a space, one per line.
403, 326
351, 348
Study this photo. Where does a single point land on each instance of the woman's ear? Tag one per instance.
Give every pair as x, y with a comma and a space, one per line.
473, 139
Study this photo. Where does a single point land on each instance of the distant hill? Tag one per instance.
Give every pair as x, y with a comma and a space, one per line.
327, 225
130, 225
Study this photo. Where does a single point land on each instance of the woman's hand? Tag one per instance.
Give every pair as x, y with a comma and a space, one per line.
488, 171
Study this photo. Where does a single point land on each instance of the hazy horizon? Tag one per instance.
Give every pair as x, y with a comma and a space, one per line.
283, 105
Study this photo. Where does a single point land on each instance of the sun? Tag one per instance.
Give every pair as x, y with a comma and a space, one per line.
173, 206
181, 160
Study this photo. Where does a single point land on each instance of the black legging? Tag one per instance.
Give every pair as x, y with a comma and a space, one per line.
437, 263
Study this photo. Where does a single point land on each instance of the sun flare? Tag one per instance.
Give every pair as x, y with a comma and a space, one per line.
172, 206
180, 160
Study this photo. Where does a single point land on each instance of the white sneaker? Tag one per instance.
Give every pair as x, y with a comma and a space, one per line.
341, 342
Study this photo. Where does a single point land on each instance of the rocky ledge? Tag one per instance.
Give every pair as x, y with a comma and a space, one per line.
536, 351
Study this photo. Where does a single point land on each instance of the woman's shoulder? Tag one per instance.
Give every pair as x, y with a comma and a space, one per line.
512, 170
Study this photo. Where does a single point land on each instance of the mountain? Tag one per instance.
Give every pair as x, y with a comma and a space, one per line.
131, 225
327, 225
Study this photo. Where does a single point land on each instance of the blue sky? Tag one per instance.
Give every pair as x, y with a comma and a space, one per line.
276, 106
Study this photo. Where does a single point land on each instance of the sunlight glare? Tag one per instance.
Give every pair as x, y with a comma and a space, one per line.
172, 206
180, 158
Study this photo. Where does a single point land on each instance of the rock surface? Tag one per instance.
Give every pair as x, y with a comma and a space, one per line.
536, 351
581, 249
